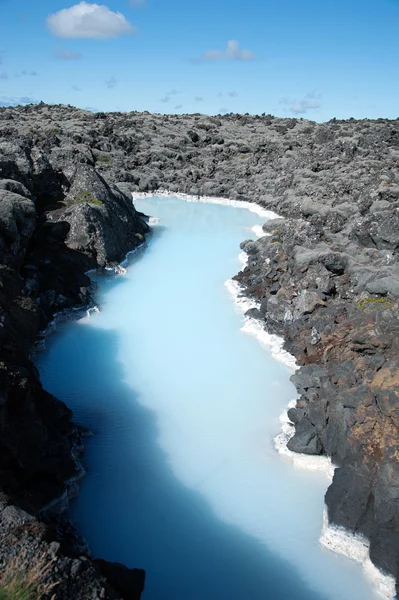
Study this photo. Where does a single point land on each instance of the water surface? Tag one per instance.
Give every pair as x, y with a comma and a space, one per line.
183, 479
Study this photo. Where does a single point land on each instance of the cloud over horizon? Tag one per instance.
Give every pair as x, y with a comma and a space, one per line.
89, 21
233, 52
65, 54
301, 107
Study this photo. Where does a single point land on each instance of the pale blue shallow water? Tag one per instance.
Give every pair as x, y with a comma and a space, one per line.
183, 479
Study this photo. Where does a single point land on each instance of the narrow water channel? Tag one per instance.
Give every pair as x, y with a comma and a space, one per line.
183, 478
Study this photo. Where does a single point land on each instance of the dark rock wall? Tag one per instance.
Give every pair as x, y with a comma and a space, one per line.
57, 220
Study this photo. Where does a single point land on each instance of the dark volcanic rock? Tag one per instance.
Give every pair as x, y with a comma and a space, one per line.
305, 440
103, 221
52, 230
17, 224
129, 583
26, 543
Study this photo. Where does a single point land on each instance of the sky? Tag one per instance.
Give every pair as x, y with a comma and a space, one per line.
311, 59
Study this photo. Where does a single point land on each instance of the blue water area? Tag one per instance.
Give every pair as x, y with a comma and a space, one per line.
183, 477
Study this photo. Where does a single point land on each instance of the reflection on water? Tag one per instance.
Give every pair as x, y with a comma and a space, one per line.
183, 479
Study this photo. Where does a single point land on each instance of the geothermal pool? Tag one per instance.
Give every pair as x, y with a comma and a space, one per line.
183, 476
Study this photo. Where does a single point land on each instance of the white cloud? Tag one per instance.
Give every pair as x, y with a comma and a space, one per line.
89, 21
232, 52
301, 107
67, 54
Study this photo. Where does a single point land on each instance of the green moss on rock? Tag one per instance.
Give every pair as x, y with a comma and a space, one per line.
85, 197
372, 304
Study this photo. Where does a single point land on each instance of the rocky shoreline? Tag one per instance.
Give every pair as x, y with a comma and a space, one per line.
326, 278
335, 538
346, 349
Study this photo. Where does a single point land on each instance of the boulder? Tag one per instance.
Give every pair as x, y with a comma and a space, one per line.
17, 224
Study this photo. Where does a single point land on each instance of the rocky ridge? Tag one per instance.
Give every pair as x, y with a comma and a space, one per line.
327, 276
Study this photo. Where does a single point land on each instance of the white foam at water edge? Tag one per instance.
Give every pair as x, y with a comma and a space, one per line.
356, 547
302, 461
121, 268
251, 206
64, 316
252, 326
275, 344
258, 231
117, 270
243, 258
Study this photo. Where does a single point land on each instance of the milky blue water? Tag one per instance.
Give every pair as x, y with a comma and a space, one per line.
183, 478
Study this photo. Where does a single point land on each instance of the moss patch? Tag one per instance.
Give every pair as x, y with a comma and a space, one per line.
372, 304
105, 159
52, 132
85, 197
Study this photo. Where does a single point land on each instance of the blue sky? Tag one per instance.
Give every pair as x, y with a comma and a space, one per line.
309, 59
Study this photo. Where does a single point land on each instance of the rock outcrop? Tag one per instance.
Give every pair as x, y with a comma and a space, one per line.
32, 551
313, 288
57, 220
326, 277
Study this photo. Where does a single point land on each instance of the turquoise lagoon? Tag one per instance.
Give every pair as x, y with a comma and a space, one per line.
183, 476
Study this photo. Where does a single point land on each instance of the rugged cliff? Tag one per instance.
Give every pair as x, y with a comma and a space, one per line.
327, 277
44, 255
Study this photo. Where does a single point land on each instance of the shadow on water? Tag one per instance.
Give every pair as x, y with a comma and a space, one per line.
132, 509
112, 280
